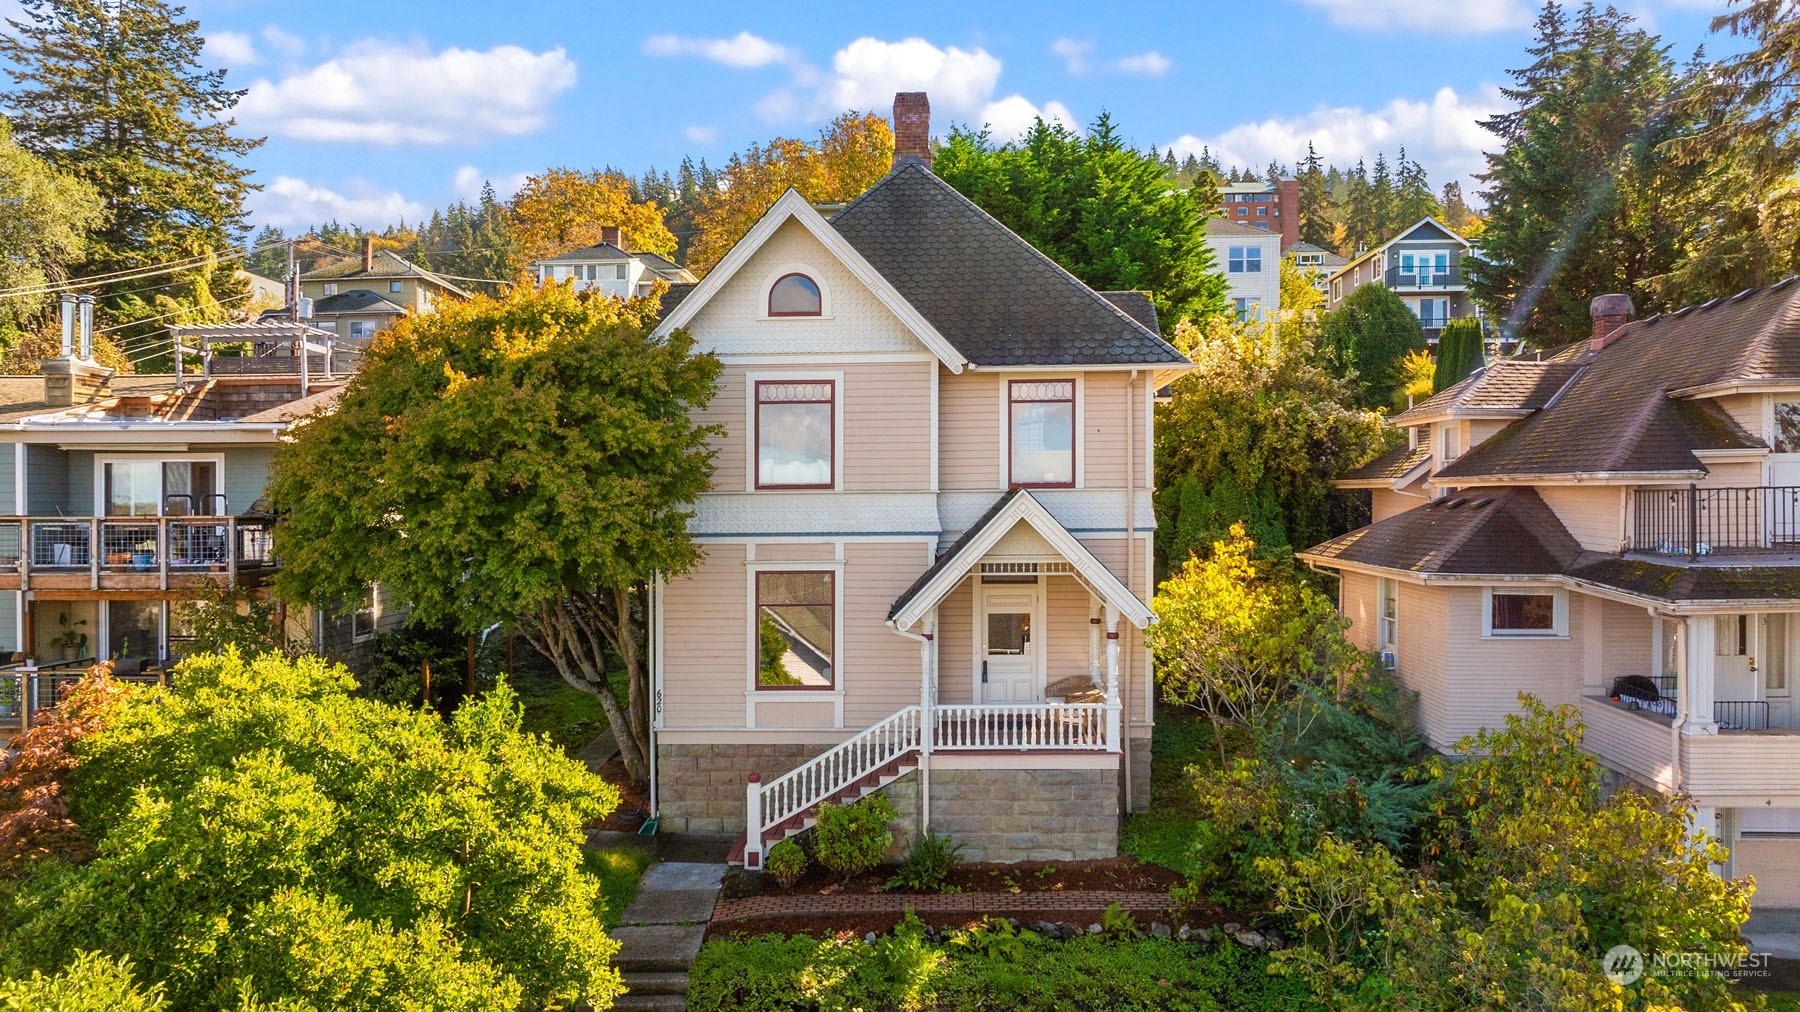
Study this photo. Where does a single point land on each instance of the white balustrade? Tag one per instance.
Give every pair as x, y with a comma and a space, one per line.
824, 775
1021, 726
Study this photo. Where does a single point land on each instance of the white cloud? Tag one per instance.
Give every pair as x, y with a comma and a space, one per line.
741, 50
375, 92
701, 134
1072, 53
231, 49
469, 180
1009, 118
1467, 17
283, 42
867, 73
1442, 133
1149, 64
289, 202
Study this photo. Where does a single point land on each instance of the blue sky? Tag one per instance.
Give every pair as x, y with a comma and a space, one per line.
382, 111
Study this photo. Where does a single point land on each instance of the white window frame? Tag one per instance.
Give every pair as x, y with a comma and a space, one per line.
100, 462
813, 274
753, 628
1559, 622
395, 287
1449, 441
1387, 630
373, 600
751, 449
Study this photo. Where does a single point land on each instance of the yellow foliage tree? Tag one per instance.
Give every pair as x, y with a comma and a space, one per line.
851, 155
563, 209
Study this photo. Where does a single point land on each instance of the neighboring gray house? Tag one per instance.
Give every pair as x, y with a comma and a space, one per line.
1423, 265
1320, 263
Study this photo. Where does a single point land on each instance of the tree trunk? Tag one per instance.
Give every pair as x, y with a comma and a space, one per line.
574, 633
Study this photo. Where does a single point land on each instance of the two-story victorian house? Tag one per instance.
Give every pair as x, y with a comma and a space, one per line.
928, 544
1423, 265
608, 267
1616, 528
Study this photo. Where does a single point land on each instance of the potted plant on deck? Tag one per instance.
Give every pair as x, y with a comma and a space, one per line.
143, 554
9, 696
71, 641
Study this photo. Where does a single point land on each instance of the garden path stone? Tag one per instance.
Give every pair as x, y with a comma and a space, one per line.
671, 906
680, 875
657, 948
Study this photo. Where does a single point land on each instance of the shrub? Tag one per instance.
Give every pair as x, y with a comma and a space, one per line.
785, 863
92, 983
850, 839
928, 864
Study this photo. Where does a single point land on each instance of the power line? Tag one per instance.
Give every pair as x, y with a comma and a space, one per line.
176, 312
133, 274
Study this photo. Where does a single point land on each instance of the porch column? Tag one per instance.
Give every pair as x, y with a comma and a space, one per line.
1701, 658
1096, 667
927, 718
1113, 706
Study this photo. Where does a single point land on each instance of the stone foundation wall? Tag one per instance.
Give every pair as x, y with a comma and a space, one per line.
1140, 775
1028, 815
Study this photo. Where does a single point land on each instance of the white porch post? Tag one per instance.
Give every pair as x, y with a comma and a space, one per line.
753, 823
1096, 668
927, 717
1701, 660
1114, 742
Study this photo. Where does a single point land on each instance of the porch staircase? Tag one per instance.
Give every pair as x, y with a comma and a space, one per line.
848, 771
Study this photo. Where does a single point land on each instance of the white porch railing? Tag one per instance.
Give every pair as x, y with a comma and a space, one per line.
1021, 726
824, 775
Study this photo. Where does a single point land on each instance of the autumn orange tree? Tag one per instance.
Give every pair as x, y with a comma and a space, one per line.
851, 155
558, 210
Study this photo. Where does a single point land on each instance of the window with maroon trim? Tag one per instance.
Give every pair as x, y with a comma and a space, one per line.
795, 295
795, 438
796, 624
1041, 433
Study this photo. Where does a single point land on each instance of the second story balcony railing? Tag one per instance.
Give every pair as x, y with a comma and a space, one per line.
1424, 276
1696, 522
100, 553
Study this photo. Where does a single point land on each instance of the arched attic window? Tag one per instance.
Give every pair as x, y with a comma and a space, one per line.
795, 295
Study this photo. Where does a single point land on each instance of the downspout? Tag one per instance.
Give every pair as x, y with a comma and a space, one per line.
656, 677
927, 641
1130, 568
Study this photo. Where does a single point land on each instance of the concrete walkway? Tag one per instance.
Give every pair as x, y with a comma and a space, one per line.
661, 931
1776, 932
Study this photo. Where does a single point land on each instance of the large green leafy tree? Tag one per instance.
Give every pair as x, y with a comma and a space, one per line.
1102, 210
1255, 433
1583, 198
112, 93
261, 839
1460, 352
44, 219
1367, 337
530, 457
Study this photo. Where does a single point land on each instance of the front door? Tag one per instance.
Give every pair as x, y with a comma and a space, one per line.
1783, 473
1012, 651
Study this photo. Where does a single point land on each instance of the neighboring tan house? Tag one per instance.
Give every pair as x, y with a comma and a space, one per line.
1423, 265
928, 542
1250, 259
1616, 528
1318, 263
356, 298
607, 267
131, 499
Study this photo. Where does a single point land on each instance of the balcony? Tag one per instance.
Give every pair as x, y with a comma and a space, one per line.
134, 553
1694, 522
1422, 277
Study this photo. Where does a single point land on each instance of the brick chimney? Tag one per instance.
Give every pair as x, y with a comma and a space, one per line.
611, 235
368, 252
1609, 313
912, 128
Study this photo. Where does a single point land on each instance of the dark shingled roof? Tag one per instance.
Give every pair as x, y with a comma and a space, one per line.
1617, 413
598, 251
356, 300
1392, 465
997, 300
1689, 583
1137, 305
386, 264
673, 297
1507, 385
949, 554
1492, 532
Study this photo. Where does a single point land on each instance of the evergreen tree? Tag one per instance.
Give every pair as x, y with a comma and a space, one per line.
1382, 205
1460, 353
268, 253
112, 93
1275, 172
1583, 198
1316, 226
1456, 212
1366, 337
1362, 225
1413, 199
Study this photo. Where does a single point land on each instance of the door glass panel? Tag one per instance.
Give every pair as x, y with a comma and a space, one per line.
1787, 427
132, 488
1008, 632
188, 488
134, 629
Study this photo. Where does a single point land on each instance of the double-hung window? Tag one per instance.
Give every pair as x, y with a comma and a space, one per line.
795, 437
1243, 260
1041, 427
1526, 613
796, 630
364, 620
1387, 630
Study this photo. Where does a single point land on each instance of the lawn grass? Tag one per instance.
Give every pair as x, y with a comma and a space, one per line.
619, 870
571, 717
1181, 743
1784, 1002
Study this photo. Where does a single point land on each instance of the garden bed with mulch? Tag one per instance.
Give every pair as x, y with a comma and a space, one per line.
634, 800
1116, 874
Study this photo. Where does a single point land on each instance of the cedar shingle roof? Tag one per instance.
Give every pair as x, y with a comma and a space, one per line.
1392, 465
994, 297
1508, 385
1618, 415
1490, 532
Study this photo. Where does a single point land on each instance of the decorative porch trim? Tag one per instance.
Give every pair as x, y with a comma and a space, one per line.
1016, 506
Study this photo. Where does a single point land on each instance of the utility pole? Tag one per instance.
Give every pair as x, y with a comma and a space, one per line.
293, 283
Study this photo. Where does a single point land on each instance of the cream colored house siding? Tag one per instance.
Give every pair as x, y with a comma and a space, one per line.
1480, 430
1356, 602
1745, 409
1775, 864
1732, 475
703, 659
1487, 675
1625, 647
1743, 768
728, 409
1594, 514
1634, 744
1103, 427
880, 670
956, 644
735, 320
1384, 503
969, 436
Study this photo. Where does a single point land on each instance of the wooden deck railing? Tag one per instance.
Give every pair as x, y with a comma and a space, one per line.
164, 546
26, 690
